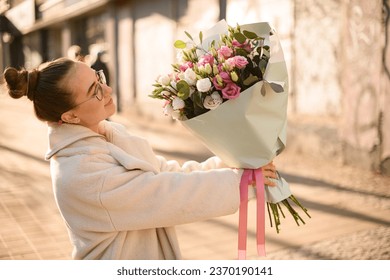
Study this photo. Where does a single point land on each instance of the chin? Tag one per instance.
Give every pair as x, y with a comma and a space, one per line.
111, 110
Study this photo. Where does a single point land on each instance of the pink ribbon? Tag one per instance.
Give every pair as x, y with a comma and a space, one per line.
249, 176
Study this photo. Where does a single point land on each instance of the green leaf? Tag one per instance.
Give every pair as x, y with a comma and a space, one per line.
241, 52
250, 80
189, 35
250, 35
179, 44
239, 37
262, 90
276, 87
201, 37
197, 98
183, 89
263, 65
156, 95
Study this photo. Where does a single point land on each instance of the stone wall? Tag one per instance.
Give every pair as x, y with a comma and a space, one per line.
317, 56
361, 126
340, 85
385, 92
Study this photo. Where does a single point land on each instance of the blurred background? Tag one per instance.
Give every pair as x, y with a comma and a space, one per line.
337, 159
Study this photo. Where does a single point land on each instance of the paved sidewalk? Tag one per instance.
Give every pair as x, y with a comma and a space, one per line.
350, 208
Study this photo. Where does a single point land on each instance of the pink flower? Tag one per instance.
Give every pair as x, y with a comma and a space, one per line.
225, 77
231, 91
246, 46
186, 65
237, 61
225, 52
221, 80
206, 59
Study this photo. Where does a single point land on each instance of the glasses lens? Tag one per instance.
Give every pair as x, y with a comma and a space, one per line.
99, 92
101, 77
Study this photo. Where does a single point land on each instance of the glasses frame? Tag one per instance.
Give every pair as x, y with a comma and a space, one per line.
101, 78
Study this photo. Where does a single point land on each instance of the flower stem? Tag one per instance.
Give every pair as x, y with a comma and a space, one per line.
276, 207
269, 213
292, 197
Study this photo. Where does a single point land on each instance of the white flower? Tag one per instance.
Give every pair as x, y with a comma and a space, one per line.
168, 110
181, 76
178, 103
190, 76
164, 80
203, 85
176, 115
212, 101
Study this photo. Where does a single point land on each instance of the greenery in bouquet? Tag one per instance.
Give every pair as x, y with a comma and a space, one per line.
204, 78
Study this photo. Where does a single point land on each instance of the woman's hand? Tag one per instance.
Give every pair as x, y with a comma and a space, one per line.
269, 171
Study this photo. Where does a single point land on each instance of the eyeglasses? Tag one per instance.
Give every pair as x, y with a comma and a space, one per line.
98, 92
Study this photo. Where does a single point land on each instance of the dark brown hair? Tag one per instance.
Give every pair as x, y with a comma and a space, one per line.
44, 86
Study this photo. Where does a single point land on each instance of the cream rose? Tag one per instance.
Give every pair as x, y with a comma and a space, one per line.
164, 80
203, 85
178, 103
190, 76
212, 101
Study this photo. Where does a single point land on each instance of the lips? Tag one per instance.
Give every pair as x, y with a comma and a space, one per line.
109, 102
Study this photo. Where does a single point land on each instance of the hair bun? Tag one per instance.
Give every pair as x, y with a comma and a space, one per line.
14, 82
20, 83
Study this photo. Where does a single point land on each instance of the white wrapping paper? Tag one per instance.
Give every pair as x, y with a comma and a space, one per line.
250, 131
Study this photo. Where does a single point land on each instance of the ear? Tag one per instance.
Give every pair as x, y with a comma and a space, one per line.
70, 117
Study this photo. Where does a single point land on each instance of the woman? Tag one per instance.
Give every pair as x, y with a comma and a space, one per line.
118, 199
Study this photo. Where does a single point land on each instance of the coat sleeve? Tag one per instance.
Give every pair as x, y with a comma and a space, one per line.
138, 200
172, 165
168, 195
117, 134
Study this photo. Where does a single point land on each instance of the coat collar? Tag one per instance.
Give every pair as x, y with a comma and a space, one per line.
62, 135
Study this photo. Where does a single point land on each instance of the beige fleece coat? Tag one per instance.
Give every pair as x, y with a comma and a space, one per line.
121, 201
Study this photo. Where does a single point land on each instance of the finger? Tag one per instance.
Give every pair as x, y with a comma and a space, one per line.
269, 183
271, 174
269, 166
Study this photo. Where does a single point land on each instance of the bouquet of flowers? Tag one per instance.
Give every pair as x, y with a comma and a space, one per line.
206, 78
230, 89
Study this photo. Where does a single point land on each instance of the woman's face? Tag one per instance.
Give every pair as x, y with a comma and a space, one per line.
88, 90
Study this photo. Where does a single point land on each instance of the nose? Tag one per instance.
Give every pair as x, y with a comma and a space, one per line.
107, 90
